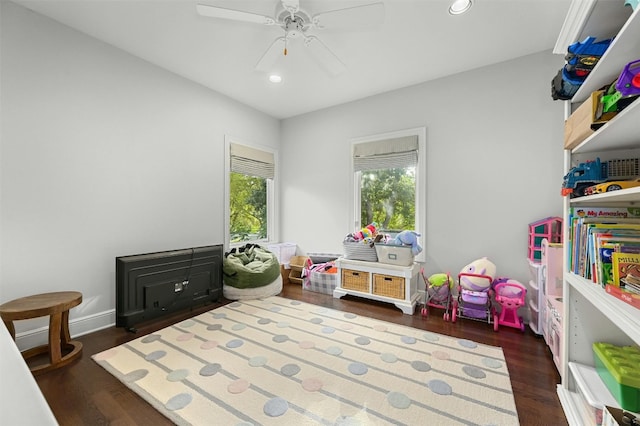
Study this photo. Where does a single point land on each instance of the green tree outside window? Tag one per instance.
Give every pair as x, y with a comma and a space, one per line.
388, 198
247, 208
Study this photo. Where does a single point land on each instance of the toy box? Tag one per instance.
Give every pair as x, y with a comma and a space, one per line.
321, 278
359, 251
619, 369
394, 254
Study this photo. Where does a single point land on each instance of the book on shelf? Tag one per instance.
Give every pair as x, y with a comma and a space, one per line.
624, 295
589, 234
605, 212
601, 246
626, 268
631, 283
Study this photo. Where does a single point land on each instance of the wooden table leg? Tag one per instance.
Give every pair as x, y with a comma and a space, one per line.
11, 328
55, 351
65, 336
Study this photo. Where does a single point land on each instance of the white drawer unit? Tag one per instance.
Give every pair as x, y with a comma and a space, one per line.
535, 296
379, 281
546, 281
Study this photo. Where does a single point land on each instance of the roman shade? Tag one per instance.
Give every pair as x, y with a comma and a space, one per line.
386, 154
252, 161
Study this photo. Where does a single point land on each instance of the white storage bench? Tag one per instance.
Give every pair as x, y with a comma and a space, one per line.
379, 281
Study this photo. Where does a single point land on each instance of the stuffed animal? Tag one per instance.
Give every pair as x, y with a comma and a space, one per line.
440, 279
440, 286
368, 231
408, 238
482, 267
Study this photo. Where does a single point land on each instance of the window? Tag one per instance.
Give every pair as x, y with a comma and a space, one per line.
250, 194
389, 181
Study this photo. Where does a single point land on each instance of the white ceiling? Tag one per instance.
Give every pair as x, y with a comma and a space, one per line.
417, 41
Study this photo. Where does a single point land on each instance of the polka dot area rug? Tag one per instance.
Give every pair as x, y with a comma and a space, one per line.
279, 361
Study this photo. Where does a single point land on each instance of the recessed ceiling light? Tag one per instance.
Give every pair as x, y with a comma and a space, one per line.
459, 7
275, 78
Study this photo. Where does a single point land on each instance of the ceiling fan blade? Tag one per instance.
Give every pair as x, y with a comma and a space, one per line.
351, 17
233, 15
325, 57
291, 6
269, 58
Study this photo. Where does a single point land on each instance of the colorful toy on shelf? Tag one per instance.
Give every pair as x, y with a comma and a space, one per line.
581, 58
629, 81
510, 295
614, 185
408, 238
584, 175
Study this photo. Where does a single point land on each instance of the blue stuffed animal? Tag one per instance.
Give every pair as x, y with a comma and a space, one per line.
408, 238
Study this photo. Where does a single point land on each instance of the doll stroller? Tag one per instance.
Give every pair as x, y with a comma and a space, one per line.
511, 295
436, 296
475, 305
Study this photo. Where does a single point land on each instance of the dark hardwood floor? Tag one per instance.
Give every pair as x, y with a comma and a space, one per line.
83, 393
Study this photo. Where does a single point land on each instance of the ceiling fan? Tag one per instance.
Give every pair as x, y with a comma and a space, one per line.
296, 23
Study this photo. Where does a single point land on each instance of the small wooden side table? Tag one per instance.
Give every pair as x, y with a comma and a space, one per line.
56, 306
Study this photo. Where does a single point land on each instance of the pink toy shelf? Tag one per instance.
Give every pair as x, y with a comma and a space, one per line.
549, 228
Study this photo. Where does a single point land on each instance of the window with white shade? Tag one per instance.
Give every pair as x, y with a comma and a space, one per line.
389, 181
250, 193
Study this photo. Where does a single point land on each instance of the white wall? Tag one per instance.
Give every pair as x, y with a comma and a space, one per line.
103, 155
494, 159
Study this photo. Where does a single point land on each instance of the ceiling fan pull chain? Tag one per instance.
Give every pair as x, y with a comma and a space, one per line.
285, 46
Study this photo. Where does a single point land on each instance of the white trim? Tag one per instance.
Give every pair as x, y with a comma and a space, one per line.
574, 22
77, 327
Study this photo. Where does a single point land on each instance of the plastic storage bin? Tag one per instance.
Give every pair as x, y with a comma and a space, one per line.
394, 254
283, 251
592, 391
619, 369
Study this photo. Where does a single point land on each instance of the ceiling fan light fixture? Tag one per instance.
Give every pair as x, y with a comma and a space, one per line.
458, 7
275, 78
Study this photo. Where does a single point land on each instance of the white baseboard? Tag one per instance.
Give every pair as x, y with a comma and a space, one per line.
77, 327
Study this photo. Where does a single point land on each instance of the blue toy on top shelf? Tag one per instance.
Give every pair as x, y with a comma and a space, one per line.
581, 58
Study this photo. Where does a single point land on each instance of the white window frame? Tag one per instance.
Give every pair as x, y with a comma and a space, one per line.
272, 195
421, 182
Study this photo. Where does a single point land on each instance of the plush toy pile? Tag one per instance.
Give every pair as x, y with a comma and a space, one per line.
367, 235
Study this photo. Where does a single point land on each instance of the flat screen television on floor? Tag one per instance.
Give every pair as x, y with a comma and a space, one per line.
155, 284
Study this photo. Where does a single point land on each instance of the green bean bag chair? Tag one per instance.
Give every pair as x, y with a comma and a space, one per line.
250, 272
